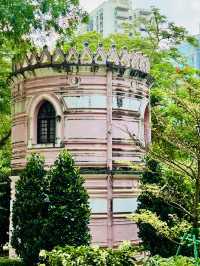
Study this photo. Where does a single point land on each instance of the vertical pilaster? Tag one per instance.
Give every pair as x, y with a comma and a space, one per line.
109, 158
13, 179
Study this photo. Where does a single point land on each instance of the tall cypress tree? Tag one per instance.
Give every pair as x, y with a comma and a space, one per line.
4, 207
29, 211
69, 213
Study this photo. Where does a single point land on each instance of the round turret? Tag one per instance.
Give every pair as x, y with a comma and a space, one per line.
96, 105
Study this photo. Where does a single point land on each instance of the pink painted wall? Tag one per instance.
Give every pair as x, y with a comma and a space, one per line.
84, 132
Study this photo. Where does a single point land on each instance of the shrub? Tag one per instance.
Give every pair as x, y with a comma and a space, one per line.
49, 210
4, 207
28, 211
90, 256
155, 243
172, 261
69, 211
9, 262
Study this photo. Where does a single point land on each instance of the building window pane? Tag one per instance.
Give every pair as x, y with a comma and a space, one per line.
46, 124
124, 205
127, 103
86, 101
98, 205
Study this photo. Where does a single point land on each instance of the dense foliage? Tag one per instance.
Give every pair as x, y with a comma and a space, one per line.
68, 213
172, 261
177, 147
147, 201
4, 207
10, 262
50, 209
20, 18
175, 101
29, 211
82, 256
90, 256
125, 255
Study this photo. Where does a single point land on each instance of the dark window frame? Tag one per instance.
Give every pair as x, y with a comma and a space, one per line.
46, 124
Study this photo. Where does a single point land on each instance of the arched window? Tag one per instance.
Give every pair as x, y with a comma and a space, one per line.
46, 124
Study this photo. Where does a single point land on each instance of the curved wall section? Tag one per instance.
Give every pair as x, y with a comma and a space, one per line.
100, 101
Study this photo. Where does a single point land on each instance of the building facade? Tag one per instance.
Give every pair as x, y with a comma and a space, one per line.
96, 105
109, 17
191, 53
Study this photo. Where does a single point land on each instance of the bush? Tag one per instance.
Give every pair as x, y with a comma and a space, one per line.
29, 211
69, 211
9, 262
155, 243
172, 261
4, 207
50, 209
90, 256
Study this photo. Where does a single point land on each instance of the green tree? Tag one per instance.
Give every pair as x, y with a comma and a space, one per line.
4, 206
147, 201
156, 175
4, 192
19, 18
155, 28
29, 211
176, 146
69, 213
161, 39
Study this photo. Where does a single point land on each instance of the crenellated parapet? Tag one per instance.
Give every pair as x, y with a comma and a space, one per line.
135, 62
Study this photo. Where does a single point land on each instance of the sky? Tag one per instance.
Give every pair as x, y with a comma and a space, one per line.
183, 12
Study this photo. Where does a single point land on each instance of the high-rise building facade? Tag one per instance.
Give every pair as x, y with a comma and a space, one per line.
110, 16
191, 53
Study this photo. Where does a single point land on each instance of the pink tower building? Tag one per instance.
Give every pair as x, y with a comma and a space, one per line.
96, 105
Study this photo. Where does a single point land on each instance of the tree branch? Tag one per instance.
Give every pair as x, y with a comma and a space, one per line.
176, 166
